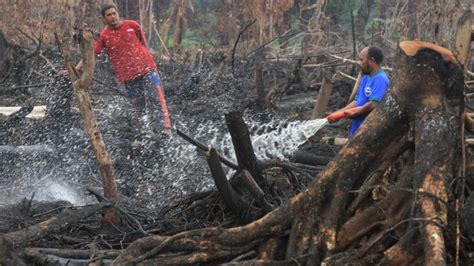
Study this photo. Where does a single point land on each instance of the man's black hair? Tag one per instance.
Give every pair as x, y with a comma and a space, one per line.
375, 53
107, 7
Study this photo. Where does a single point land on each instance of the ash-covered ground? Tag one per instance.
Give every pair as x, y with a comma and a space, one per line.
53, 158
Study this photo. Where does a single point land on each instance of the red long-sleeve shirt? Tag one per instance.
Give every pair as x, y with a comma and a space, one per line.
126, 49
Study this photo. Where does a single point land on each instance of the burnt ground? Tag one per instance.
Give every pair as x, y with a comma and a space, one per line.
156, 175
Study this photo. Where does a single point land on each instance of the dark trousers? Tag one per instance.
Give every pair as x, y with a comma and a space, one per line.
145, 101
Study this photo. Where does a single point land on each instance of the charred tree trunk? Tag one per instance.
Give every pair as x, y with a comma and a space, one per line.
81, 86
423, 106
413, 31
129, 9
6, 56
179, 26
243, 146
260, 88
231, 198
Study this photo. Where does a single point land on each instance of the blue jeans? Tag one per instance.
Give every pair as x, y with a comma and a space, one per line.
143, 95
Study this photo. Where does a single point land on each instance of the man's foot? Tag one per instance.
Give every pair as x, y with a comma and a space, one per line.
168, 131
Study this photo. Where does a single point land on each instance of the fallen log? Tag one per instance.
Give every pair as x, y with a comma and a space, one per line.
41, 259
36, 112
354, 62
14, 118
66, 219
335, 141
34, 253
310, 158
41, 150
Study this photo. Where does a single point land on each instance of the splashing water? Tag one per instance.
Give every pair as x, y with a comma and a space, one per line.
280, 139
176, 167
47, 188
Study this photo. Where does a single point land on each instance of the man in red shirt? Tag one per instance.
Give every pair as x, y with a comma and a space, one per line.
124, 43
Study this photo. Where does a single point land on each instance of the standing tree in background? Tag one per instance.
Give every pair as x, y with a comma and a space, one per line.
82, 84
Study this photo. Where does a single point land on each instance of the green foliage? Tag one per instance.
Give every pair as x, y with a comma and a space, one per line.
190, 40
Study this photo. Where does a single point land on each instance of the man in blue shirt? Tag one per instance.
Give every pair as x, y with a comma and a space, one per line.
371, 90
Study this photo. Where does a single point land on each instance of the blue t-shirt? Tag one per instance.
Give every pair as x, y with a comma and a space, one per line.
372, 88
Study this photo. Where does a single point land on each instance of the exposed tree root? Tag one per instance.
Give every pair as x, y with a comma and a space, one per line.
324, 223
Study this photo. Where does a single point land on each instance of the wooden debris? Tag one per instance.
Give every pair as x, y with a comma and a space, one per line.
230, 197
56, 224
38, 111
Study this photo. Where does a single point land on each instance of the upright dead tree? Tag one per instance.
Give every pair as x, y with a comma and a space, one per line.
6, 55
322, 100
82, 84
418, 125
259, 86
180, 22
243, 146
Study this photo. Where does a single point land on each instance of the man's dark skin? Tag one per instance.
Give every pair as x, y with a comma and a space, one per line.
368, 66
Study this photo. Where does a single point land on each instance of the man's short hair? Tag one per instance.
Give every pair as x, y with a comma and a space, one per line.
106, 7
375, 53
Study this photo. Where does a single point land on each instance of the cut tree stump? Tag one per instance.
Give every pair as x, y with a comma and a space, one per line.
409, 224
243, 146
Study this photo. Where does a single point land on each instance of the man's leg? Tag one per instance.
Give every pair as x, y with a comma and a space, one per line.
161, 98
156, 99
136, 95
153, 106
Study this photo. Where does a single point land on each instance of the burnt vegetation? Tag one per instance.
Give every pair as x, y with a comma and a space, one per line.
397, 193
